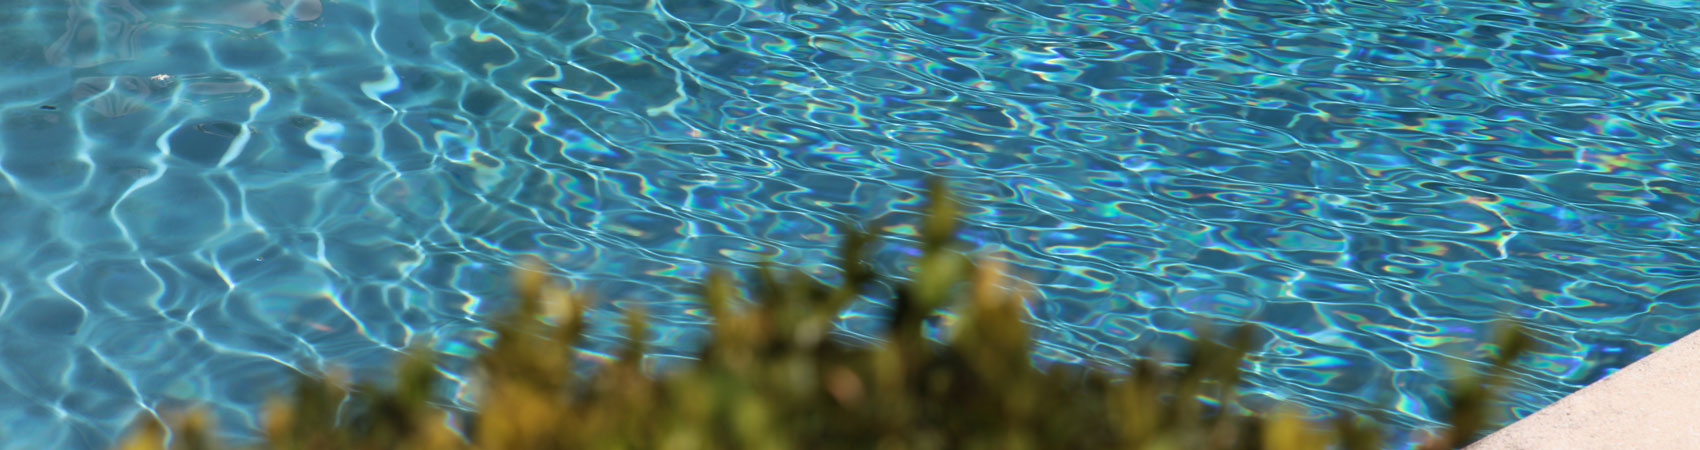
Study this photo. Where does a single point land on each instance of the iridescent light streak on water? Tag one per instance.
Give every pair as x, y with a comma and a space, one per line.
197, 196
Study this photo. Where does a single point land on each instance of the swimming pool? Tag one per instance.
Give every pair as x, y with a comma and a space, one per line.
199, 195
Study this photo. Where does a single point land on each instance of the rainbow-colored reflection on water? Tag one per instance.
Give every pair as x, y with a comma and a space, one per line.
197, 196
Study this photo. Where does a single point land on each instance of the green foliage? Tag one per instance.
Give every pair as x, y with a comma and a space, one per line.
771, 378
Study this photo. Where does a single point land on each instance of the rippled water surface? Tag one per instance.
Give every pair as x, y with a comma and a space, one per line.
196, 196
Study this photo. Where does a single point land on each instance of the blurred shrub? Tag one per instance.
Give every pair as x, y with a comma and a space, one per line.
771, 378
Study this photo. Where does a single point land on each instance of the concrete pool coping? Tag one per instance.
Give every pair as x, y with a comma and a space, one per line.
1652, 404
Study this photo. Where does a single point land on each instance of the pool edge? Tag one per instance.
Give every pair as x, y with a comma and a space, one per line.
1654, 403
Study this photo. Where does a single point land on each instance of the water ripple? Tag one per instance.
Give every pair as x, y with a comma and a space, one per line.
201, 198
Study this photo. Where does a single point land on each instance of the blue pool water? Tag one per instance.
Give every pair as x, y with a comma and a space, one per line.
196, 196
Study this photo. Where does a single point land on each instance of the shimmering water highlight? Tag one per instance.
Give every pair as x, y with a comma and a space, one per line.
200, 197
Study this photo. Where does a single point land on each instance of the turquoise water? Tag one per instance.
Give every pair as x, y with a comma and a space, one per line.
196, 197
